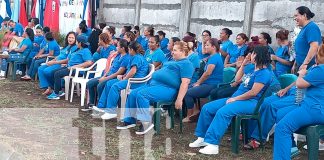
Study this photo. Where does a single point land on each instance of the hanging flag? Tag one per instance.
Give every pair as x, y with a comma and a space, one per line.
35, 9
23, 13
16, 9
42, 5
5, 10
86, 12
51, 15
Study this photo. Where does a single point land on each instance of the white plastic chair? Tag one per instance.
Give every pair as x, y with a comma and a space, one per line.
100, 67
125, 92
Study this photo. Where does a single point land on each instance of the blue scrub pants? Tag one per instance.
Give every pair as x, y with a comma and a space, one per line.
34, 66
102, 103
138, 101
292, 122
268, 111
216, 116
201, 91
58, 75
46, 75
95, 87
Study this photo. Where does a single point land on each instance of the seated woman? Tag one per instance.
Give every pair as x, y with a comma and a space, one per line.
46, 71
168, 84
168, 55
206, 36
265, 40
118, 67
82, 58
52, 48
37, 44
154, 55
282, 58
129, 37
236, 50
226, 43
148, 32
193, 57
105, 47
310, 108
163, 42
19, 53
216, 116
212, 76
136, 68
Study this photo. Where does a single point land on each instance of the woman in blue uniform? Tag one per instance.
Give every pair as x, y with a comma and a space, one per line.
206, 36
163, 42
39, 38
154, 55
226, 43
265, 40
216, 116
46, 71
52, 48
118, 67
81, 58
105, 47
308, 39
168, 55
282, 57
136, 68
129, 37
148, 32
193, 58
167, 84
236, 50
311, 107
212, 76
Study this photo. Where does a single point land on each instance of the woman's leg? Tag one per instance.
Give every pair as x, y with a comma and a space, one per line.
58, 75
92, 85
114, 96
34, 70
102, 103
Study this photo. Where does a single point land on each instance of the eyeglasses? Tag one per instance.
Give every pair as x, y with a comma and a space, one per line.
205, 35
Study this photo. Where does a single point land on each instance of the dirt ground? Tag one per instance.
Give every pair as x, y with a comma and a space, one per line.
36, 128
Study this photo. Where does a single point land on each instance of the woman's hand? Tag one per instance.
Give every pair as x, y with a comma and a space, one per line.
282, 92
302, 72
119, 77
178, 104
102, 79
273, 57
303, 67
247, 59
230, 100
49, 63
196, 84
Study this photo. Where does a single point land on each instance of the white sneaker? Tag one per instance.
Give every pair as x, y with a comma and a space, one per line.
198, 143
320, 146
209, 149
97, 109
108, 116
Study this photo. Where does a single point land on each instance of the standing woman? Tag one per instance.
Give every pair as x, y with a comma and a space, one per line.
212, 76
308, 40
216, 116
206, 36
226, 43
46, 72
236, 50
265, 40
105, 47
154, 55
310, 112
282, 57
163, 42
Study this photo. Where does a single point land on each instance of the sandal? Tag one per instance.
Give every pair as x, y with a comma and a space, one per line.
253, 144
47, 92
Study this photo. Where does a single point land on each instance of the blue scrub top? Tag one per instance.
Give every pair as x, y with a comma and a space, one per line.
235, 51
195, 61
79, 57
66, 51
144, 43
226, 45
141, 64
89, 31
217, 74
19, 29
308, 34
200, 53
314, 96
118, 62
249, 69
105, 52
26, 42
139, 39
164, 45
283, 53
170, 75
260, 76
52, 46
156, 56
37, 40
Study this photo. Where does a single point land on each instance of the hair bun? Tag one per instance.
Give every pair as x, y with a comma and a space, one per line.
312, 15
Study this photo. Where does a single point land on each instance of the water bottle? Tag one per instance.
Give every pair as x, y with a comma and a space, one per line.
300, 93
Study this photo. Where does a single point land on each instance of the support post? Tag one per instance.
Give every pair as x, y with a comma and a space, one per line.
185, 14
248, 16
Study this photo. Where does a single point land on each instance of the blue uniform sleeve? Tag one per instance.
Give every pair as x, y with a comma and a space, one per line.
315, 75
262, 76
212, 60
270, 50
159, 57
73, 49
125, 62
186, 71
136, 62
313, 34
164, 43
86, 55
51, 46
196, 61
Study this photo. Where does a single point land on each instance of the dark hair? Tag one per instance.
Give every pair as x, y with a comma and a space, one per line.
136, 30
49, 36
30, 33
156, 39
66, 42
267, 37
131, 35
262, 57
188, 39
30, 19
39, 27
243, 36
83, 26
191, 34
215, 42
35, 20
207, 31
112, 30
46, 30
105, 38
175, 39
228, 31
282, 34
102, 25
123, 44
128, 28
136, 47
161, 33
305, 10
150, 29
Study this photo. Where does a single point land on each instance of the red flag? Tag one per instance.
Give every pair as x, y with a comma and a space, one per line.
51, 14
23, 13
33, 12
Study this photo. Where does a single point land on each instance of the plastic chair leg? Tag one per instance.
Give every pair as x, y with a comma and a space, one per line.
181, 117
172, 116
245, 130
312, 139
78, 89
260, 134
157, 122
13, 72
67, 87
72, 90
83, 92
236, 123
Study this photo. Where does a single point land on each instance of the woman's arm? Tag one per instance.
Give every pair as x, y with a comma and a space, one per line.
157, 65
120, 71
21, 49
206, 74
83, 65
131, 73
310, 55
182, 92
280, 60
256, 88
301, 83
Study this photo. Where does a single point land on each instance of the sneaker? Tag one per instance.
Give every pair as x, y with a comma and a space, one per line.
144, 128
320, 146
198, 143
210, 149
95, 108
108, 116
61, 93
53, 96
86, 108
125, 125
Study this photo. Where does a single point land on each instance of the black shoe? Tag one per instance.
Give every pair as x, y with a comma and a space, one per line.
125, 125
87, 108
144, 128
